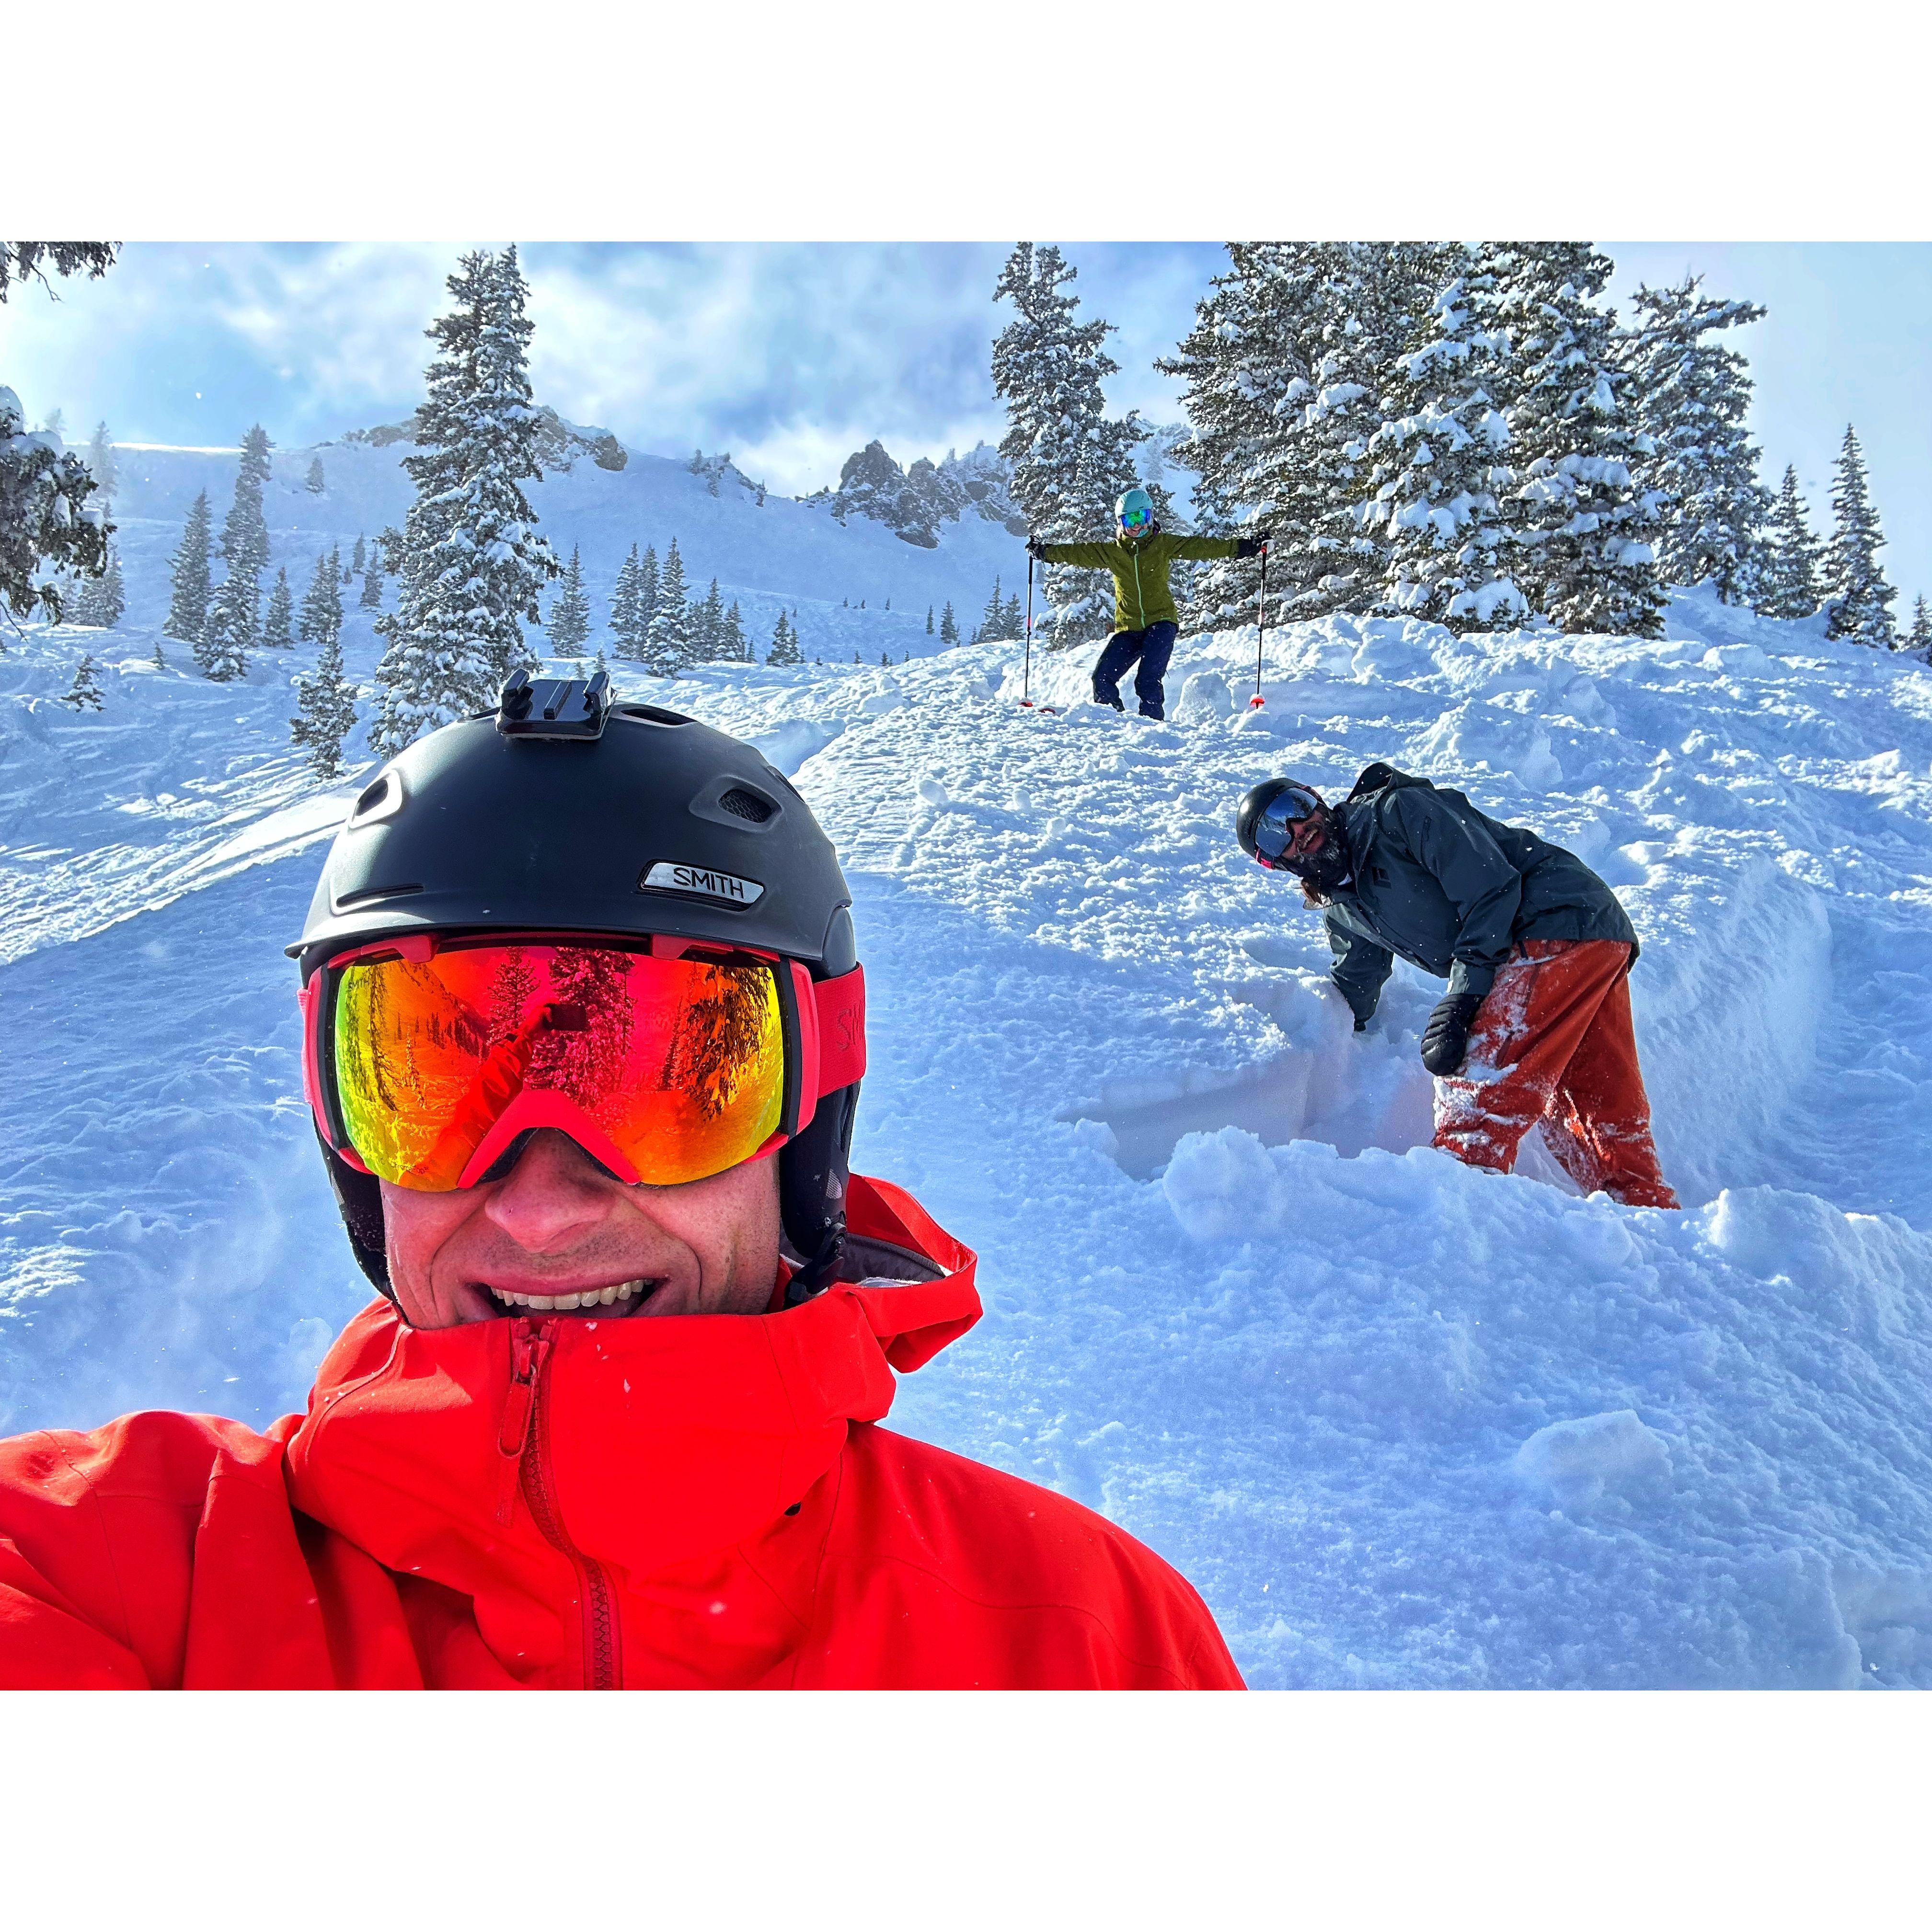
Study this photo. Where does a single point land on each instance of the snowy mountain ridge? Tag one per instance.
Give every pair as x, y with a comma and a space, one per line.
1401, 1422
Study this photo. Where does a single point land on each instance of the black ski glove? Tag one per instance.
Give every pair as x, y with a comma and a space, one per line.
1253, 546
1445, 1039
1036, 547
1361, 1024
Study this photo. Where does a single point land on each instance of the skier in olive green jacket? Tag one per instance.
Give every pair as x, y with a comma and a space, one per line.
1145, 621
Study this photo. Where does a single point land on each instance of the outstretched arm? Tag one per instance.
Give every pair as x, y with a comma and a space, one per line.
1208, 546
1087, 556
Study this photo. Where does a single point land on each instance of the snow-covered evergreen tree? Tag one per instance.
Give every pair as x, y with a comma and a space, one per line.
322, 603
359, 557
222, 649
46, 520
1285, 366
244, 541
1791, 583
570, 615
275, 632
316, 481
102, 600
84, 694
627, 625
325, 713
949, 625
1918, 640
100, 466
188, 603
707, 627
668, 641
648, 579
468, 561
784, 643
928, 620
1440, 465
1070, 460
1861, 599
734, 647
1589, 525
161, 662
1690, 397
371, 599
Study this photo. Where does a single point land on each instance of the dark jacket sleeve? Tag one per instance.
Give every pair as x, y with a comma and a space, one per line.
1090, 556
1361, 967
1481, 884
1206, 546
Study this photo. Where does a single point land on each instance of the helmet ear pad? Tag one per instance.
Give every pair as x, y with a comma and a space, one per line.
359, 1199
815, 1171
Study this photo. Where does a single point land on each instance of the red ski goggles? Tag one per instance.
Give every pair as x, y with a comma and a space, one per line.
668, 1061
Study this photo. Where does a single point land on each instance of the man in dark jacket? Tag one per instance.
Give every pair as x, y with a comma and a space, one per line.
1145, 620
1536, 1024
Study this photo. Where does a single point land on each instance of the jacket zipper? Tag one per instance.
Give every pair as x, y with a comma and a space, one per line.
525, 1439
1140, 602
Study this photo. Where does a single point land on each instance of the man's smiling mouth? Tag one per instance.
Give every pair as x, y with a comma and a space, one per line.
626, 1297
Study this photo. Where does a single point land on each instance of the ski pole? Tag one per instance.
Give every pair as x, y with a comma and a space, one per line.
1026, 675
1260, 631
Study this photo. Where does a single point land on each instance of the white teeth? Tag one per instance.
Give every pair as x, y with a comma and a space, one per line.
589, 1298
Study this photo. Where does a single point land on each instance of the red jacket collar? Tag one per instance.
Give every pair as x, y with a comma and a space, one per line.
662, 1439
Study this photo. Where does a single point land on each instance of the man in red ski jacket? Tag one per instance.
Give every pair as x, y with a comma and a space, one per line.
583, 1072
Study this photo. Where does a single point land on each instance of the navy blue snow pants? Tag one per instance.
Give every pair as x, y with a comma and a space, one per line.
1154, 646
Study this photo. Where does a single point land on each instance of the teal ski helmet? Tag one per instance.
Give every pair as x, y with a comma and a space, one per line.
1134, 513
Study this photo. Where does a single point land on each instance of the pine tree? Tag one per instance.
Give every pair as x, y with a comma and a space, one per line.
221, 651
275, 626
85, 693
707, 627
1013, 616
991, 619
359, 558
45, 517
928, 620
1690, 397
188, 606
322, 605
784, 644
1918, 639
326, 713
245, 543
317, 483
647, 589
1440, 463
468, 561
949, 625
1861, 599
1070, 462
734, 646
1792, 584
1286, 365
1588, 526
669, 639
627, 625
570, 615
371, 599
161, 662
103, 600
100, 466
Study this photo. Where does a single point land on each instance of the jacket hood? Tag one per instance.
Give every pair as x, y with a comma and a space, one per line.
662, 1439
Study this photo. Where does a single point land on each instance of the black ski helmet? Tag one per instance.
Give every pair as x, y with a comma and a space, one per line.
649, 823
1256, 801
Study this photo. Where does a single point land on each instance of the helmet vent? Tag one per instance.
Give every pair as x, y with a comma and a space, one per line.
381, 800
747, 805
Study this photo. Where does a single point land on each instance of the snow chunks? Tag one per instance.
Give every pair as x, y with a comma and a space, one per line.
1578, 1464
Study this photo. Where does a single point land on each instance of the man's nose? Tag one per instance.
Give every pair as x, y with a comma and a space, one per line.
554, 1195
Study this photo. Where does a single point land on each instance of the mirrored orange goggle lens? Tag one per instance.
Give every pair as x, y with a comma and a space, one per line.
680, 1062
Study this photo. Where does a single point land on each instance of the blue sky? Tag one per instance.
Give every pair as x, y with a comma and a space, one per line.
791, 355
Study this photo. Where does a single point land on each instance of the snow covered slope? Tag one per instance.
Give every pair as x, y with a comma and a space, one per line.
1402, 1423
773, 555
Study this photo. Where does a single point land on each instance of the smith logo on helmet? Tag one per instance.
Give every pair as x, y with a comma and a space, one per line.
665, 877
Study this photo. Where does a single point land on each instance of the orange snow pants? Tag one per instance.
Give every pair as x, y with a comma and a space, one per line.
1553, 1042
